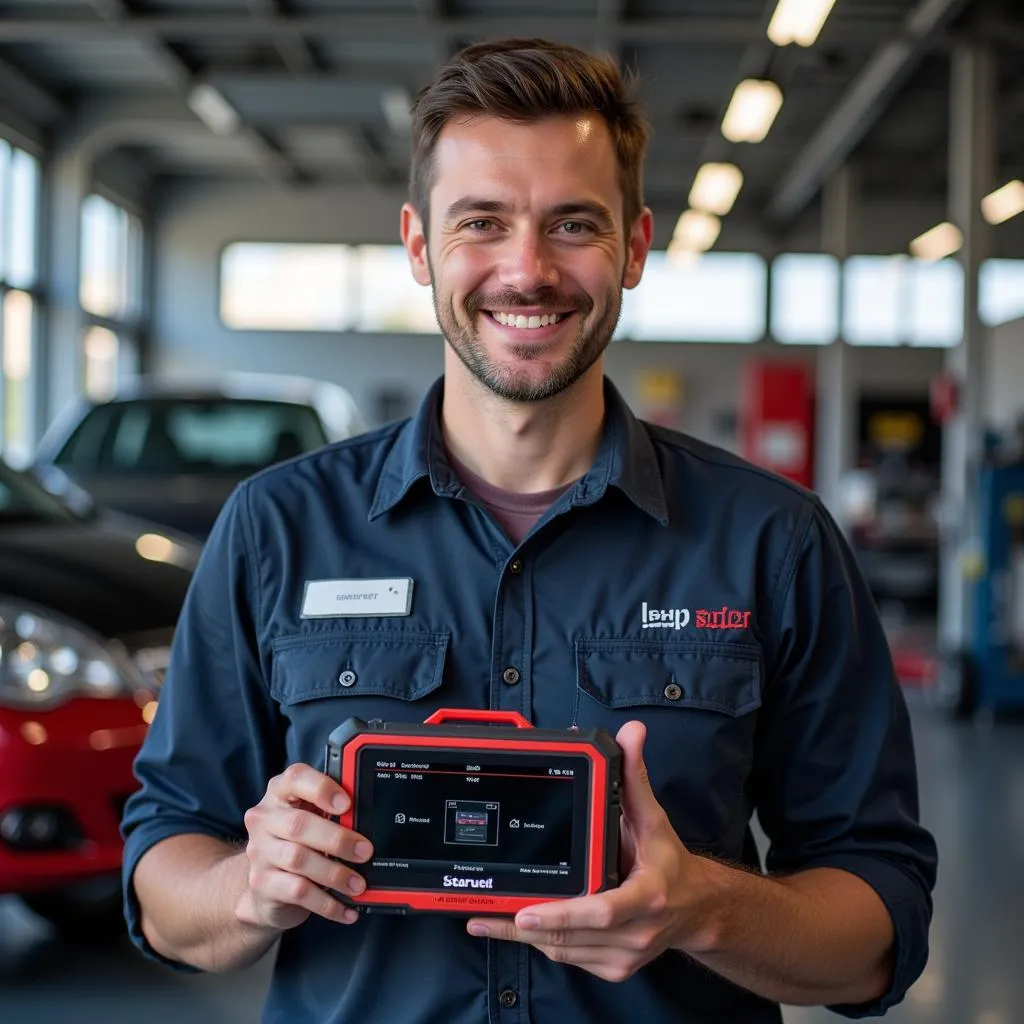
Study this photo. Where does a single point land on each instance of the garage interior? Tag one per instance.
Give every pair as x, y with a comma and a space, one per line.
194, 188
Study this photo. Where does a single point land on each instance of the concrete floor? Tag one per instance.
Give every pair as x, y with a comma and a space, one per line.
972, 779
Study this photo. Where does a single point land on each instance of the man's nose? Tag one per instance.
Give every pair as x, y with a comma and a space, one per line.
528, 264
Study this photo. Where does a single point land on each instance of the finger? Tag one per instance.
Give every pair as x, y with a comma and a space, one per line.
639, 804
306, 828
286, 889
598, 912
325, 871
628, 938
301, 782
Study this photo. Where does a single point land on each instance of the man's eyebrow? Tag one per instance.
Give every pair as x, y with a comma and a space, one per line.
474, 204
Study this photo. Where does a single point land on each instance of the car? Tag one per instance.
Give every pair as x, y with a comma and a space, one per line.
171, 451
88, 604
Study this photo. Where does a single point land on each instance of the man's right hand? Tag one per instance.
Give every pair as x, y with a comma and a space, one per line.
290, 850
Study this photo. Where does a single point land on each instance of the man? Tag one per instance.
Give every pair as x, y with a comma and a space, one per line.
568, 562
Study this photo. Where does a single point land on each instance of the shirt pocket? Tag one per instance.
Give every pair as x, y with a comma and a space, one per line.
321, 680
698, 701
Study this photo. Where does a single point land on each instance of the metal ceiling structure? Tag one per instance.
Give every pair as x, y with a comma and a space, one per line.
315, 90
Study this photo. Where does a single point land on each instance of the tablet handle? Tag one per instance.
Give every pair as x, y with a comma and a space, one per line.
483, 716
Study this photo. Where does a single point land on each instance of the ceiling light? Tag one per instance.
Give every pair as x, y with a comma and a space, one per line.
1004, 203
696, 230
798, 21
752, 110
210, 106
942, 240
715, 188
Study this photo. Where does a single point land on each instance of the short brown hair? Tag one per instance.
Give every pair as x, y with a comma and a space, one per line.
525, 80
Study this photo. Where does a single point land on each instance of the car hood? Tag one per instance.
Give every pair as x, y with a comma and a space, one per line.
92, 571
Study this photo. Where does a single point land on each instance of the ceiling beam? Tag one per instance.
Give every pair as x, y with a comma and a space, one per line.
859, 108
14, 82
402, 27
182, 79
295, 51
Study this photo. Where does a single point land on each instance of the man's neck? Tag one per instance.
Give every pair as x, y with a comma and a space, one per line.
523, 447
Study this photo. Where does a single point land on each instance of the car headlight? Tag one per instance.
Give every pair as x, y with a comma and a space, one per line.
46, 659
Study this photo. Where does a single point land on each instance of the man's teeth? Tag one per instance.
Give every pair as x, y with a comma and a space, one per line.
511, 320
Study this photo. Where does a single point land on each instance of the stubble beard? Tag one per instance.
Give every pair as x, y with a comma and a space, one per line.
509, 381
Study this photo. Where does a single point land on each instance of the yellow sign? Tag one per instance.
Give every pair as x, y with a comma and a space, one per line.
895, 431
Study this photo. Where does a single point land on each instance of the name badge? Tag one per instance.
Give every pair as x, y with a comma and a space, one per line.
325, 599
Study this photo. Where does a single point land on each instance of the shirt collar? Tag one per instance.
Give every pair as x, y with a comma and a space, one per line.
625, 459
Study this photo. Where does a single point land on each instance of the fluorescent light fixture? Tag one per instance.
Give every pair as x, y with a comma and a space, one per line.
1004, 203
752, 110
715, 188
798, 21
942, 240
397, 106
210, 106
696, 230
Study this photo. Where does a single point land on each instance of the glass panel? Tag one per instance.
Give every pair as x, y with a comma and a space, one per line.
5, 178
872, 299
805, 299
1001, 291
134, 270
101, 359
936, 307
389, 297
24, 219
18, 315
717, 297
99, 287
272, 286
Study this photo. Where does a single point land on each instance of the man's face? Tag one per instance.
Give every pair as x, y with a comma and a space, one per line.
528, 253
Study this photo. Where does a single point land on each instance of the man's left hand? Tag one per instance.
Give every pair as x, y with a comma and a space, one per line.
613, 934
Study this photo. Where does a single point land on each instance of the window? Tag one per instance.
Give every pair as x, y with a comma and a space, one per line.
805, 299
269, 286
894, 300
1001, 291
16, 332
389, 297
19, 230
101, 352
717, 297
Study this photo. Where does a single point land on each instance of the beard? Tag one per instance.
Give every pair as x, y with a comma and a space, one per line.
514, 383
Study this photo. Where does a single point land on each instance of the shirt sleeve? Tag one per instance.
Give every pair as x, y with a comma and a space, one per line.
214, 743
834, 770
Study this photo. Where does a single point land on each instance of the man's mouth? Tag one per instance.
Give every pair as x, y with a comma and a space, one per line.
529, 321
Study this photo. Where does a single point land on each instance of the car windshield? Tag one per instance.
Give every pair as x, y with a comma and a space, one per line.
21, 498
193, 435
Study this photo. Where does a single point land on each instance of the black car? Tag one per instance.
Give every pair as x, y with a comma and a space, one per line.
172, 452
88, 604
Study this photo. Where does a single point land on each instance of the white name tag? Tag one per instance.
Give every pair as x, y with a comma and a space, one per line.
338, 598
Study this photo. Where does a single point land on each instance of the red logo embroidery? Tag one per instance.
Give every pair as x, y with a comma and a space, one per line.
722, 618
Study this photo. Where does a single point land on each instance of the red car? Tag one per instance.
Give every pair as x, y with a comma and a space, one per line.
88, 602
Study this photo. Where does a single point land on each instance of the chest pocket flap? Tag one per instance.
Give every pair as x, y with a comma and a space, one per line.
357, 663
710, 676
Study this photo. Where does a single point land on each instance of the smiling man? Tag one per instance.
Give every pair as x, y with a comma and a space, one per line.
544, 552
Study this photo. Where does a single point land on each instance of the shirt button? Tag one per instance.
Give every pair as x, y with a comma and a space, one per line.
508, 998
347, 678
673, 691
515, 566
511, 676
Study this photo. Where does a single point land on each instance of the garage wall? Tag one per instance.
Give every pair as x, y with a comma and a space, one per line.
196, 222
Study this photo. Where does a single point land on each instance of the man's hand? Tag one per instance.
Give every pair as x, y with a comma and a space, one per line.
613, 934
290, 848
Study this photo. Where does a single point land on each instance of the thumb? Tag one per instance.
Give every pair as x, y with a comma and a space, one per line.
639, 804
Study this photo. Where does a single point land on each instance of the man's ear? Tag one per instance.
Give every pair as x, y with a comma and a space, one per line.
414, 239
638, 245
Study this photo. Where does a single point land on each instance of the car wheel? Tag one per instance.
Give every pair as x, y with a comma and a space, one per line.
92, 915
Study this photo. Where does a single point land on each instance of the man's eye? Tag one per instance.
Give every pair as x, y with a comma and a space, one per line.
480, 224
573, 227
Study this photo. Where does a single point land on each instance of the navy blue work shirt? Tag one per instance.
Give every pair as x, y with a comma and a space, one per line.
673, 583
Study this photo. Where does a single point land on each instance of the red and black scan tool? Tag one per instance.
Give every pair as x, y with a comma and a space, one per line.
477, 812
